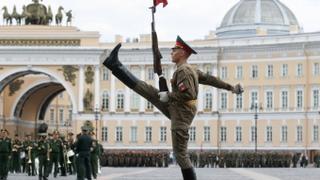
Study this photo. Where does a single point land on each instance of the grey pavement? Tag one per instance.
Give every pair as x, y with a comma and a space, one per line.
173, 173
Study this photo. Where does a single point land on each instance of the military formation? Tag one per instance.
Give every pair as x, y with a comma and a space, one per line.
250, 159
115, 158
47, 154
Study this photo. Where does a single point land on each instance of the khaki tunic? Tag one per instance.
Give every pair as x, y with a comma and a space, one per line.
184, 85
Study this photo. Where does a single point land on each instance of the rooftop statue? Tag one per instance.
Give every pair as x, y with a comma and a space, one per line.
7, 18
38, 14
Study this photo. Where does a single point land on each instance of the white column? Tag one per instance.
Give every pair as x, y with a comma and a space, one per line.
156, 85
142, 100
200, 93
113, 94
215, 95
81, 87
97, 87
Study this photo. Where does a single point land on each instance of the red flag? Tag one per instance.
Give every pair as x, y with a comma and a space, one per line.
157, 2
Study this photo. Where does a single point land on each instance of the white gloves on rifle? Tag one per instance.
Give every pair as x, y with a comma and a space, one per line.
163, 96
237, 89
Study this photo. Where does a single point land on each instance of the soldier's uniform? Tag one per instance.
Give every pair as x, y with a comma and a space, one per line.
181, 107
5, 150
56, 147
94, 155
83, 146
43, 152
15, 158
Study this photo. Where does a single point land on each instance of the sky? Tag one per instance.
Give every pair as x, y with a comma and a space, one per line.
191, 19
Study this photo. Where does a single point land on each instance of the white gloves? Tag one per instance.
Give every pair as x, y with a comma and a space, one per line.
163, 96
237, 89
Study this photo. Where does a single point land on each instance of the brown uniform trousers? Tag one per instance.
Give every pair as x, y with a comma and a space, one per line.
181, 107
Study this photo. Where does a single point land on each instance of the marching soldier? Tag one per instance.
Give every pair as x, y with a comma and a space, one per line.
63, 155
94, 155
30, 155
16, 149
72, 166
5, 150
43, 151
178, 105
56, 147
83, 147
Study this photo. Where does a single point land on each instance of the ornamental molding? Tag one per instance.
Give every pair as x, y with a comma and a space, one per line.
40, 42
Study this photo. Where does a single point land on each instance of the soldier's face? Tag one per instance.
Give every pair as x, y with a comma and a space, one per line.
176, 55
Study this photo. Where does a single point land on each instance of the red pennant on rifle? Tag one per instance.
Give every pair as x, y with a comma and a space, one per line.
157, 2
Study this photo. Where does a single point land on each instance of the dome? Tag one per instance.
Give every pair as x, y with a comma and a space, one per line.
258, 17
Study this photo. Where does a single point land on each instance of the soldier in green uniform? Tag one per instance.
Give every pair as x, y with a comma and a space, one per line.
94, 155
180, 104
83, 147
5, 150
72, 166
43, 152
56, 147
16, 149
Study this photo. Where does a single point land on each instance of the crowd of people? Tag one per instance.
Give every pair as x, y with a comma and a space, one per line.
47, 154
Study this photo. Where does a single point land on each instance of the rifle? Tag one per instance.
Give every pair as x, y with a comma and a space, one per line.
156, 54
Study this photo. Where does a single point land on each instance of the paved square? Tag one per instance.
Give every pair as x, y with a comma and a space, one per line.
173, 173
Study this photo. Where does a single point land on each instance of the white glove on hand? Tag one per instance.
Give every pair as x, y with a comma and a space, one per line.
163, 96
237, 89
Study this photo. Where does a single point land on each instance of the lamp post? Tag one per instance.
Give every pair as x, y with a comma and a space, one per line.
96, 115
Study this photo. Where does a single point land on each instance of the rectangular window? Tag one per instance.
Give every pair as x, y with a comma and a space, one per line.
284, 134
299, 70
148, 134
163, 134
223, 134
238, 134
223, 102
120, 101
239, 72
70, 116
150, 74
254, 99
105, 101
239, 101
254, 71
52, 116
119, 134
208, 69
206, 137
315, 133
269, 134
299, 99
104, 134
253, 134
192, 133
315, 99
269, 71
208, 100
134, 134
284, 70
269, 98
299, 134
105, 74
224, 72
134, 101
149, 105
284, 100
316, 69
61, 116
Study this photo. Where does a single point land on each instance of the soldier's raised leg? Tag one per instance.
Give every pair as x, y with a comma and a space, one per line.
142, 88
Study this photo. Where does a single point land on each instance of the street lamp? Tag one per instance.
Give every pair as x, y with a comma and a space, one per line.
96, 115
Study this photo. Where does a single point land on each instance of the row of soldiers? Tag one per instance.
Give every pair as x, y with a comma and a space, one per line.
249, 159
132, 158
49, 153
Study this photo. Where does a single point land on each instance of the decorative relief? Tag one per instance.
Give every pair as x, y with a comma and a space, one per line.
89, 75
87, 101
40, 42
69, 73
15, 86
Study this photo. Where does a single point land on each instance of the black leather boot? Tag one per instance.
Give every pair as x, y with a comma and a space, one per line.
119, 70
189, 174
